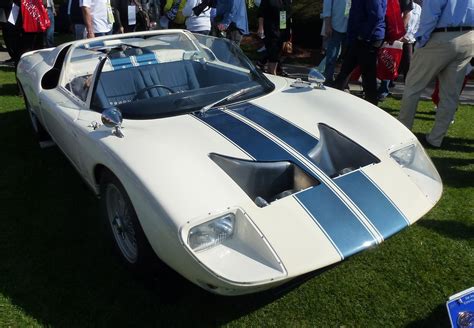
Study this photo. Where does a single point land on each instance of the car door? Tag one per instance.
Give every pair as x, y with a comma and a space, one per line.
60, 115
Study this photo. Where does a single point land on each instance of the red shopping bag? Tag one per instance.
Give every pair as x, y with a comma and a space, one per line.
35, 17
394, 28
388, 60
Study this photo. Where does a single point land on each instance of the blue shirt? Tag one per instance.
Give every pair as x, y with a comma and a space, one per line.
336, 9
367, 20
233, 11
443, 13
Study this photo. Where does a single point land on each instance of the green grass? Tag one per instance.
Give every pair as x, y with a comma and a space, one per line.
56, 269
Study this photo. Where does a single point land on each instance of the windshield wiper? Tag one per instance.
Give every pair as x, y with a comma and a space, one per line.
230, 97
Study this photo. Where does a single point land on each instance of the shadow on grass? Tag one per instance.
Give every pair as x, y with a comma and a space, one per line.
419, 115
451, 229
60, 270
437, 318
458, 144
10, 89
7, 69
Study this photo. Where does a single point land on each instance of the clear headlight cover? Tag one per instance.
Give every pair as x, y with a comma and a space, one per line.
211, 233
418, 165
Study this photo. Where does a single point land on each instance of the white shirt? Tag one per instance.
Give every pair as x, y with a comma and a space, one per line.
98, 8
413, 23
196, 23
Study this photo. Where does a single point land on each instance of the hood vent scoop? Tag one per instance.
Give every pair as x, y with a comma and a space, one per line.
336, 154
265, 182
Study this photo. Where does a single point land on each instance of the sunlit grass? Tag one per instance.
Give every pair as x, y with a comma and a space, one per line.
56, 269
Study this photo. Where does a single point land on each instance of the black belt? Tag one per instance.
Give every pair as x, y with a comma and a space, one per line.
454, 29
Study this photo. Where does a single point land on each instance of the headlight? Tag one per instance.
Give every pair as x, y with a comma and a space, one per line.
417, 164
211, 233
404, 156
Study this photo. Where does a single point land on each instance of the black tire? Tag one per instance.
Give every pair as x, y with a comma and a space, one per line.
124, 229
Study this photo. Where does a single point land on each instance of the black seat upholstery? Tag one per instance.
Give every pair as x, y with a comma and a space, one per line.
121, 86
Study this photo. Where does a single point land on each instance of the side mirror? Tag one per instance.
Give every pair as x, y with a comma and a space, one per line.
316, 77
112, 118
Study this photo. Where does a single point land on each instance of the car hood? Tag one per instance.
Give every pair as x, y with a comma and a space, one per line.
312, 228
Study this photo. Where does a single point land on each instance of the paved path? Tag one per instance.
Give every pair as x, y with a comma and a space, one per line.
467, 96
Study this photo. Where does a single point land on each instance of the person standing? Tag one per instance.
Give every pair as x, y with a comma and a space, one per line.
98, 17
406, 7
409, 38
10, 32
274, 18
49, 41
445, 44
31, 24
335, 15
231, 18
197, 24
75, 19
365, 33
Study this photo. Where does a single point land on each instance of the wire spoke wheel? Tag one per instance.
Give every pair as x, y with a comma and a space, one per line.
120, 220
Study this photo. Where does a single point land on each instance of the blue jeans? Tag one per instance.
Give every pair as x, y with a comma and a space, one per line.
383, 88
335, 42
50, 31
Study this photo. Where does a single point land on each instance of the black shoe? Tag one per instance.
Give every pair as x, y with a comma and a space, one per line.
426, 144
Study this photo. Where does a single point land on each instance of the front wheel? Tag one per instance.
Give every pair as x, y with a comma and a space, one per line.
128, 238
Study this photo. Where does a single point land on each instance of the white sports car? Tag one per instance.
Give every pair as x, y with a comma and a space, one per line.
237, 180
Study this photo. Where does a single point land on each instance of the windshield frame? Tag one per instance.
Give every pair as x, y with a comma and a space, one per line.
100, 45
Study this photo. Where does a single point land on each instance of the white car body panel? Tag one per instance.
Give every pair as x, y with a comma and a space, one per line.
165, 168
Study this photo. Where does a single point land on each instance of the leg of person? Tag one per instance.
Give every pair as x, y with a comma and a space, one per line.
450, 84
79, 31
368, 67
383, 91
406, 59
349, 64
10, 36
426, 64
332, 52
50, 30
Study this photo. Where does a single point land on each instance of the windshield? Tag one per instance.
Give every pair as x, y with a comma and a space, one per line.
162, 74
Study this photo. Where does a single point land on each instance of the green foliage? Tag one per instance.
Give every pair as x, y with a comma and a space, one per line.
58, 270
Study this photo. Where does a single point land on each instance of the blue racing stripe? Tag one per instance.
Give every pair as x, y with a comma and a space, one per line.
329, 212
297, 138
378, 208
251, 141
346, 233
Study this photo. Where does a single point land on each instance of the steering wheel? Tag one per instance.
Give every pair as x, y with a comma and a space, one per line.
154, 86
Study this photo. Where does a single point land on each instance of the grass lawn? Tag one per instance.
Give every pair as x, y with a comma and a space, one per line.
56, 269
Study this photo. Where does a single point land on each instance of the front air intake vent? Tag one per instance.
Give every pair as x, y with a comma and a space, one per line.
335, 154
265, 182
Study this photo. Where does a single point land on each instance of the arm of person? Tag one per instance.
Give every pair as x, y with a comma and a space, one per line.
188, 8
430, 16
53, 7
260, 13
326, 15
87, 15
228, 16
375, 14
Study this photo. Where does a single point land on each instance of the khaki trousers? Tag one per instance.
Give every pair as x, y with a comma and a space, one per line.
445, 56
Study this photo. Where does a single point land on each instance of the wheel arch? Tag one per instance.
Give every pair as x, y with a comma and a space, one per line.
98, 171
